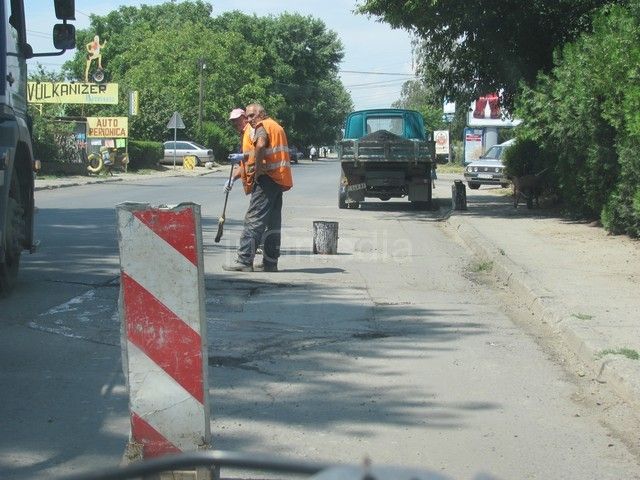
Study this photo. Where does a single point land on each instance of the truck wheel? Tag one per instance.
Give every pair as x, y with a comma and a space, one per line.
342, 204
13, 239
474, 186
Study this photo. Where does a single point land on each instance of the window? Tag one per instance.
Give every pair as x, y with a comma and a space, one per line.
391, 124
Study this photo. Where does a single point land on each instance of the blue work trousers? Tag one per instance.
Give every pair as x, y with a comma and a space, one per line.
262, 223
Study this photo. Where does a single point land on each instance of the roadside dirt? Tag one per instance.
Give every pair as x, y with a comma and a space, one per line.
592, 397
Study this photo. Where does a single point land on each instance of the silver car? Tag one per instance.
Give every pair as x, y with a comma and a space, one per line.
488, 169
184, 148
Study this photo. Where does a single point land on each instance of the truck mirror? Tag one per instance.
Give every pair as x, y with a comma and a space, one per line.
64, 36
65, 9
27, 51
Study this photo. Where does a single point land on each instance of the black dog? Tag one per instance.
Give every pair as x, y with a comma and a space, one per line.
528, 186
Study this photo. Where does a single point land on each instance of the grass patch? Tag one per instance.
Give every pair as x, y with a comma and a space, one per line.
582, 316
626, 352
482, 267
51, 176
450, 168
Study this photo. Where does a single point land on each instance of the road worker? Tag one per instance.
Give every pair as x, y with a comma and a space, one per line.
266, 174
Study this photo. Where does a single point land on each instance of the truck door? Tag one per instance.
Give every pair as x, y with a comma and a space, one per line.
16, 67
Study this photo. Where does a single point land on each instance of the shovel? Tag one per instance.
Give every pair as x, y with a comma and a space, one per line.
224, 209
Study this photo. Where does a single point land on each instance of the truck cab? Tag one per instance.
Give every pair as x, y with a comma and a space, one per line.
17, 162
404, 123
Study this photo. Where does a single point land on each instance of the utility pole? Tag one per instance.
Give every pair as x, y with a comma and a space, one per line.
201, 67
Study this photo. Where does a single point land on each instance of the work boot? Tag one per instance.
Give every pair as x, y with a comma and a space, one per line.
238, 267
265, 267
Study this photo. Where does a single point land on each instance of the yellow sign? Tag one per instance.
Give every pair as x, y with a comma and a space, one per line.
107, 127
96, 93
188, 162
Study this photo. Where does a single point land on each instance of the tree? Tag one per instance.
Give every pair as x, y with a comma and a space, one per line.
302, 58
287, 63
52, 139
417, 95
584, 117
469, 48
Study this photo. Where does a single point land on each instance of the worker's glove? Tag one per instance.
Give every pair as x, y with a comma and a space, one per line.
228, 185
236, 157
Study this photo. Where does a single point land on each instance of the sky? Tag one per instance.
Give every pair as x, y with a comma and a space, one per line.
369, 46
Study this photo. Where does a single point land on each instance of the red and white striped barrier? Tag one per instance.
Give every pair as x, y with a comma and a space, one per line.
162, 309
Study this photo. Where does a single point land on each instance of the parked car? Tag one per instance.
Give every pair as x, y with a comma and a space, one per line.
183, 148
488, 169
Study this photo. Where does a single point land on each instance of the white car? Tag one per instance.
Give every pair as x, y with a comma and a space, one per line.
183, 148
488, 169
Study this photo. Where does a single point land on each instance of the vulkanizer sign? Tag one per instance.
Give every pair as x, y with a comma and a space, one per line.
59, 92
107, 127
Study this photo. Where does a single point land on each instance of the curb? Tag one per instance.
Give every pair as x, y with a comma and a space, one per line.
119, 179
622, 374
77, 184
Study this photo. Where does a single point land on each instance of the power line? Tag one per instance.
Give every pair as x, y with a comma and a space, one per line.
378, 73
39, 34
383, 82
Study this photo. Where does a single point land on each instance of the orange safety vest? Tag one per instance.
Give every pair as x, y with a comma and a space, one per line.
247, 146
276, 161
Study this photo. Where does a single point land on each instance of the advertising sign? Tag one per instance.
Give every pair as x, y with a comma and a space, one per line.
472, 144
107, 127
441, 138
487, 111
60, 92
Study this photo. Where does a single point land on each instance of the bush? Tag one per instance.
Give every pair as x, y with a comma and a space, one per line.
144, 154
621, 213
583, 117
54, 141
525, 157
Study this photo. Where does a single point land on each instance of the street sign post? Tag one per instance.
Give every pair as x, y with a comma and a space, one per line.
176, 123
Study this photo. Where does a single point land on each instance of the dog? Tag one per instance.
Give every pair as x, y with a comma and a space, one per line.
529, 187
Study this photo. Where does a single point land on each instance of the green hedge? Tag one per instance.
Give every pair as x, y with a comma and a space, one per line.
583, 117
144, 154
523, 158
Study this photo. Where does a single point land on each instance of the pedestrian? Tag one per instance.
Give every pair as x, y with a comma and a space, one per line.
312, 153
266, 174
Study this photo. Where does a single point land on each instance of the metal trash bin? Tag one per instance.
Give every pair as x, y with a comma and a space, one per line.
458, 195
325, 237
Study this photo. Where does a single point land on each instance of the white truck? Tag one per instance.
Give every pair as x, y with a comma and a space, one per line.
17, 163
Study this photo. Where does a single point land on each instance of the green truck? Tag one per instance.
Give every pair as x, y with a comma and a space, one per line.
384, 154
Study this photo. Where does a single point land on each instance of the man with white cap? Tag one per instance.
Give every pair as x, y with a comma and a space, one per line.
239, 120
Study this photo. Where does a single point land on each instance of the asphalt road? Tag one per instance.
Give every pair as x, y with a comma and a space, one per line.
397, 348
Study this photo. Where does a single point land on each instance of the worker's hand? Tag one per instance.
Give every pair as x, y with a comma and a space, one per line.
236, 157
228, 185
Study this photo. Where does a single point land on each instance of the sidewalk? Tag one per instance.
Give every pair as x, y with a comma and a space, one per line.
575, 278
74, 181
